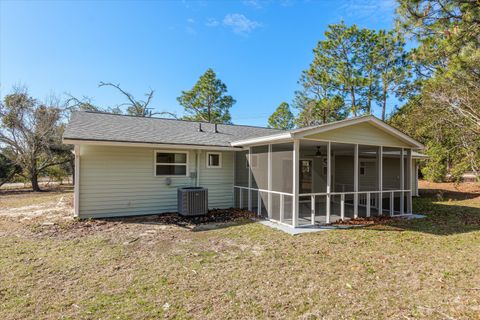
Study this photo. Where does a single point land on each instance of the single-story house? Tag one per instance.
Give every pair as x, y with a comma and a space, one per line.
126, 165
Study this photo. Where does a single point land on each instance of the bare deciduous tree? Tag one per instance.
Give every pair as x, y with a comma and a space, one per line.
30, 134
135, 107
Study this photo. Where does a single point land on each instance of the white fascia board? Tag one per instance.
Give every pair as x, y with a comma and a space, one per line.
264, 139
147, 145
419, 156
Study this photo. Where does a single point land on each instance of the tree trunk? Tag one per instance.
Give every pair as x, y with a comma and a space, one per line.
384, 105
369, 103
34, 181
354, 107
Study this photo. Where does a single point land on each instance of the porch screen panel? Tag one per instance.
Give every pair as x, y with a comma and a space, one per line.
391, 178
367, 168
241, 178
391, 168
282, 167
407, 179
282, 180
259, 168
343, 165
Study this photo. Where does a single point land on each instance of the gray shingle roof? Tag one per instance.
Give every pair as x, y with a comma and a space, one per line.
109, 127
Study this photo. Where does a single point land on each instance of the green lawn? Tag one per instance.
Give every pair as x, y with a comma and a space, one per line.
426, 268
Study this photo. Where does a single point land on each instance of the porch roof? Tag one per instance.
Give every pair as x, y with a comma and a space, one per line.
328, 127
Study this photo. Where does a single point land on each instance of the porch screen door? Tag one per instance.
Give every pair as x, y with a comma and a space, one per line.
305, 177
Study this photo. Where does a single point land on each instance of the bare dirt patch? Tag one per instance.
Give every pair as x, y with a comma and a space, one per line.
365, 221
55, 203
142, 226
450, 190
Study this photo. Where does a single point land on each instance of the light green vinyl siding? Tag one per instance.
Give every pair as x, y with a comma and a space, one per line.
362, 133
219, 181
344, 174
119, 181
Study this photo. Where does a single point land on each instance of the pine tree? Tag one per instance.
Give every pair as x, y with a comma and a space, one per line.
207, 100
282, 118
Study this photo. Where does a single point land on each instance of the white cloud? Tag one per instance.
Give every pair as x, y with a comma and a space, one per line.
287, 3
190, 20
240, 24
252, 3
212, 22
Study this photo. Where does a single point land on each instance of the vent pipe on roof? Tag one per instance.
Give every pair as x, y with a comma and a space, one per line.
200, 127
216, 131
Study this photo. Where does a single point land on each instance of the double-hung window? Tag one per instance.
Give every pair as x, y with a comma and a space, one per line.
168, 163
214, 160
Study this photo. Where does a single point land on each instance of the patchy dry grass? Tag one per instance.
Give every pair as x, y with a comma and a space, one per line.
52, 203
137, 269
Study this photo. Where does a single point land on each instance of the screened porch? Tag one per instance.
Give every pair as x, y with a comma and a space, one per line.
309, 182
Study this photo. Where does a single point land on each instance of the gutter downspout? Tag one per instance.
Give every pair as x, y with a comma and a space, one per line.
76, 187
197, 180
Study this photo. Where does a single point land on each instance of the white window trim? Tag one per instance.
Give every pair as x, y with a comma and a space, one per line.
360, 169
219, 160
364, 160
187, 171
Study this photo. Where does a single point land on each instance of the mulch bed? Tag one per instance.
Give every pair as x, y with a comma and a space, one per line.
213, 216
83, 227
365, 221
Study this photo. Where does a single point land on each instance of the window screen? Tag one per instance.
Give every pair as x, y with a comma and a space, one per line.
171, 163
214, 160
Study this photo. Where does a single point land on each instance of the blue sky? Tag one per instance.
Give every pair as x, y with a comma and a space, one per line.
258, 48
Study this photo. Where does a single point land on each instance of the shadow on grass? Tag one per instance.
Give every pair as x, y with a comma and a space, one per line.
44, 190
445, 195
445, 216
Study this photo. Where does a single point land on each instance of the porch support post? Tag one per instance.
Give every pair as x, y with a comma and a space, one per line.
269, 204
355, 183
402, 180
296, 181
282, 207
312, 210
342, 206
329, 180
249, 179
76, 187
240, 201
416, 178
380, 180
392, 195
409, 181
259, 203
234, 198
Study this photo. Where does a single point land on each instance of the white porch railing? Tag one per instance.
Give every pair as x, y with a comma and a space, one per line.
259, 201
363, 199
367, 199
